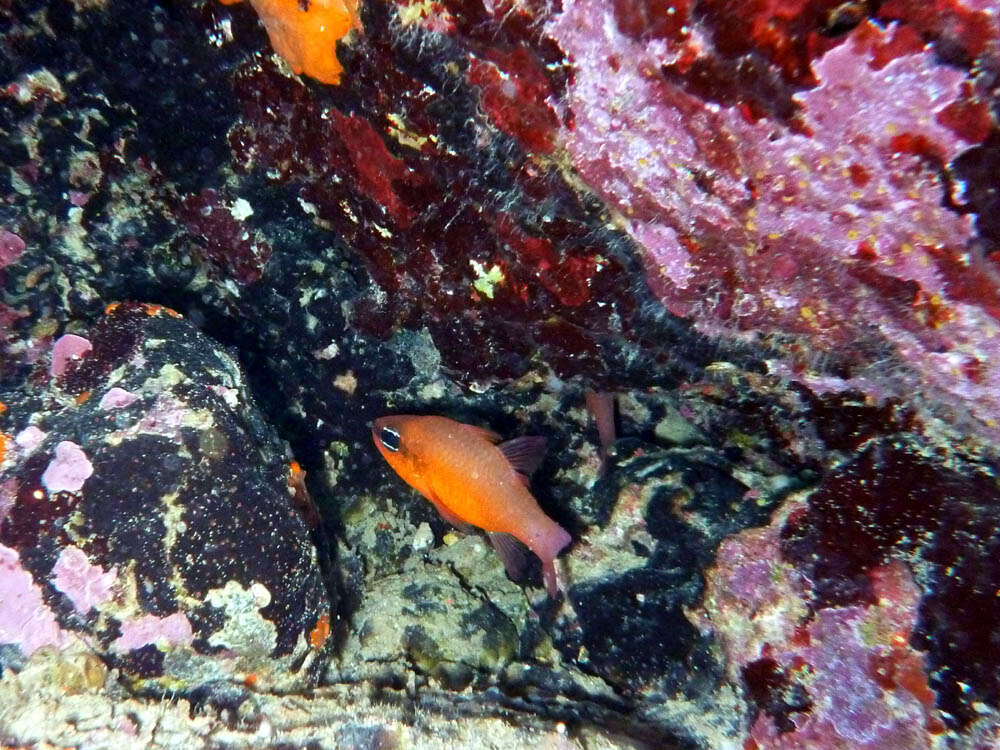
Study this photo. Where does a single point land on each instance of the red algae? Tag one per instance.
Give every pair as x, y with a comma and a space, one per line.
789, 33
222, 235
473, 259
964, 26
515, 94
377, 169
969, 116
653, 19
567, 278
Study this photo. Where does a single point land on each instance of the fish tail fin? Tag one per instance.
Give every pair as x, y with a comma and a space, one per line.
550, 577
601, 405
547, 546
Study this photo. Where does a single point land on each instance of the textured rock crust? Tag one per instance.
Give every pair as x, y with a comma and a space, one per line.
165, 537
501, 207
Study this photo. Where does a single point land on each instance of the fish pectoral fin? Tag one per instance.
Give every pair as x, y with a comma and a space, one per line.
511, 551
524, 454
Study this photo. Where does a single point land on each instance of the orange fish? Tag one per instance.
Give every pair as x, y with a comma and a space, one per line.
474, 481
305, 32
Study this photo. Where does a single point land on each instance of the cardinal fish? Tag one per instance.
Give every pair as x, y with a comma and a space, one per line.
475, 480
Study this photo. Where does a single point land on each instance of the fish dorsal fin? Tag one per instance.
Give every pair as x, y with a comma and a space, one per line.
524, 454
482, 432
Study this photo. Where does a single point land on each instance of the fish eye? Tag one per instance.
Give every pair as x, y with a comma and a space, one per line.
390, 438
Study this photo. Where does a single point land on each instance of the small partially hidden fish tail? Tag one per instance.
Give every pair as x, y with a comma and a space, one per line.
601, 405
547, 545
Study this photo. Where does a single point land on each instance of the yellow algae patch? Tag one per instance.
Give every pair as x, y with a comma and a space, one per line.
486, 280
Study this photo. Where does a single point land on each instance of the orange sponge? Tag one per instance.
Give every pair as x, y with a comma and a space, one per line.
305, 32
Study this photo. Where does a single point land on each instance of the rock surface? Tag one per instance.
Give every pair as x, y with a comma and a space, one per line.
146, 514
766, 230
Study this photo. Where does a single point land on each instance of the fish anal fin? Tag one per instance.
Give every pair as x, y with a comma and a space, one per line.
511, 551
524, 454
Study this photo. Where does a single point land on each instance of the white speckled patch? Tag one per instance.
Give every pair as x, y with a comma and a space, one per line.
246, 631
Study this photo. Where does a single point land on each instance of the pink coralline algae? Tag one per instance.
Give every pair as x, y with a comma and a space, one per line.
832, 226
11, 247
85, 584
66, 350
117, 398
174, 630
8, 497
29, 438
68, 470
844, 677
164, 417
24, 619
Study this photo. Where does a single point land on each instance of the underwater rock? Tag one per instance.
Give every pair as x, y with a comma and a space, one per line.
844, 676
440, 607
68, 702
146, 513
837, 227
893, 502
467, 225
430, 626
